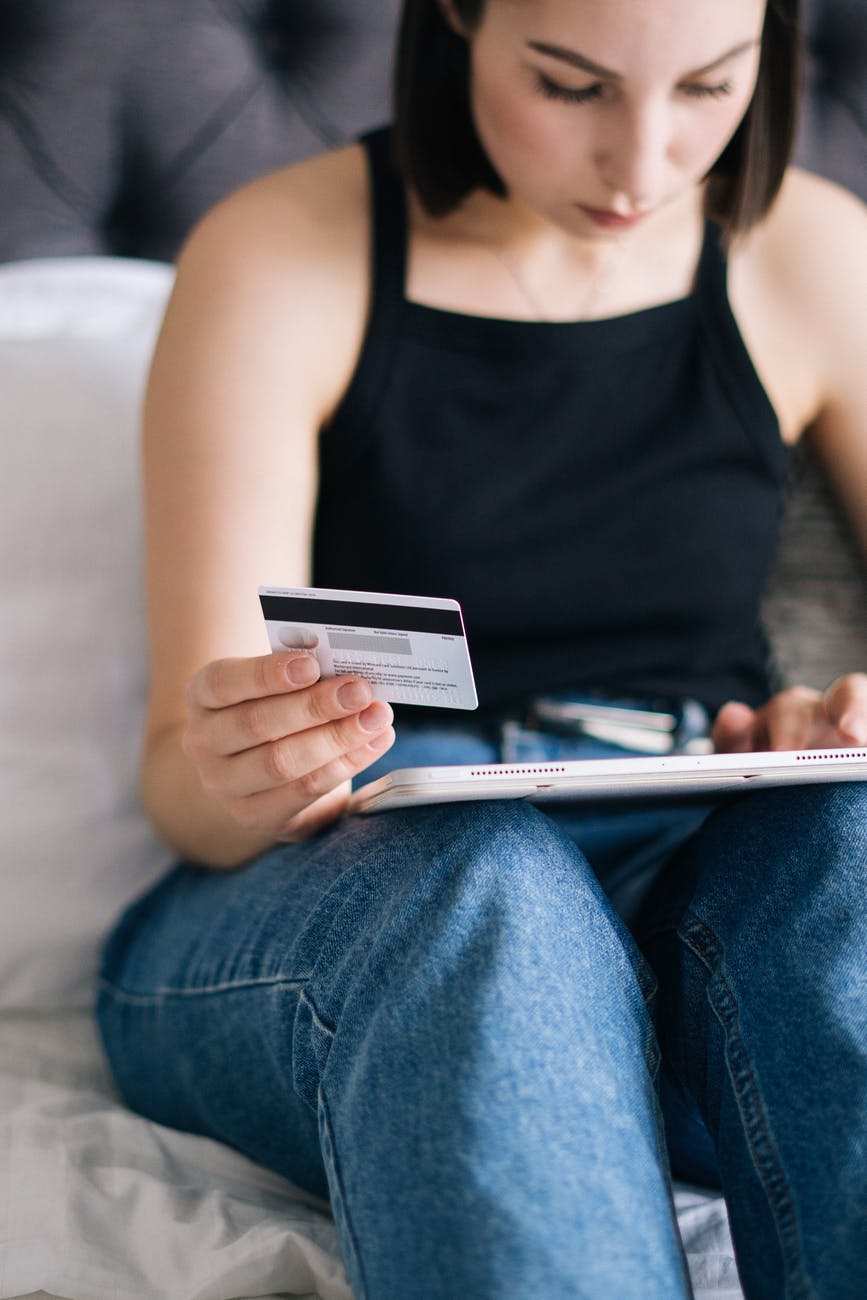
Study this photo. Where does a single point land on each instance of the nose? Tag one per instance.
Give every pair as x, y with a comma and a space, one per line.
632, 156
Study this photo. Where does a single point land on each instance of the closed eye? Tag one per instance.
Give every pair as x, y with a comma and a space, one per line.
698, 91
566, 94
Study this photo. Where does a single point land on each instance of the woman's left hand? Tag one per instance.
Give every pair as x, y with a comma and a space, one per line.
799, 718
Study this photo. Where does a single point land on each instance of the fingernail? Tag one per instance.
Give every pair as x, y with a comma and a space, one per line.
735, 706
303, 671
852, 724
354, 695
377, 716
383, 740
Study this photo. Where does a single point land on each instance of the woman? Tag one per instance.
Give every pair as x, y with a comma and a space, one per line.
554, 390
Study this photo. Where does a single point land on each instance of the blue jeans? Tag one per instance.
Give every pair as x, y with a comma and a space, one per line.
440, 1020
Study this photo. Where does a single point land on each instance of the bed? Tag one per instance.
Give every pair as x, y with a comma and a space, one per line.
120, 122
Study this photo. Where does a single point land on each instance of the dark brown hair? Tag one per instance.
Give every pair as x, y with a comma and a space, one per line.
440, 156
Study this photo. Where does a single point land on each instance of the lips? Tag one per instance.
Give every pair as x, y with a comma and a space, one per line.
608, 220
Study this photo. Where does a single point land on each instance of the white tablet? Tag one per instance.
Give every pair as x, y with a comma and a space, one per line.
604, 778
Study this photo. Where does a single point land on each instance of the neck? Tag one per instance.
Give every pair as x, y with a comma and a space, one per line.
511, 224
494, 256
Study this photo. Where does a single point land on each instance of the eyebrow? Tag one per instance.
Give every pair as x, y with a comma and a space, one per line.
576, 60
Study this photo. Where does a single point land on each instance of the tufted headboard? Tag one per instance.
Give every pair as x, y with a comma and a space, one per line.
121, 121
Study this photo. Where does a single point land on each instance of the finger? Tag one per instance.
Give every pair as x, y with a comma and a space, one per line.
796, 719
290, 758
735, 728
295, 637
316, 816
259, 721
846, 708
274, 811
226, 682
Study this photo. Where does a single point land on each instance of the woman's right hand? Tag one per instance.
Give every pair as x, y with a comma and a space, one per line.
276, 746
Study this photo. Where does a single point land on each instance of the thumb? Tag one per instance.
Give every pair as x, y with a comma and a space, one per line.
734, 728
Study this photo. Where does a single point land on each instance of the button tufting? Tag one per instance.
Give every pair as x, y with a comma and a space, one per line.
289, 35
24, 26
122, 121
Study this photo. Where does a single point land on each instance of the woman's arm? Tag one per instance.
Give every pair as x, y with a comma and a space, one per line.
810, 268
259, 342
839, 432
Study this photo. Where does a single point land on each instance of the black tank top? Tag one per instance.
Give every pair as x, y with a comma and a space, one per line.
603, 497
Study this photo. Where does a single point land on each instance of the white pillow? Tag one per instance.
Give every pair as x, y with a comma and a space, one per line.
75, 340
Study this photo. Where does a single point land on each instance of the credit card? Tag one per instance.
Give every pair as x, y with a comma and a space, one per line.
412, 649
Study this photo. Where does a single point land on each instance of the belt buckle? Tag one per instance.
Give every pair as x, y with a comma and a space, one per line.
645, 726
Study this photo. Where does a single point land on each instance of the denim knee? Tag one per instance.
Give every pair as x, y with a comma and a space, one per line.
442, 871
473, 1022
778, 911
443, 898
782, 859
821, 828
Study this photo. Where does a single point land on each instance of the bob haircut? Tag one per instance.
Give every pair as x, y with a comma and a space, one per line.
439, 154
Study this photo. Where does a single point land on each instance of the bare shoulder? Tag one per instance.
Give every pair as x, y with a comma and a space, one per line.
798, 285
287, 255
317, 202
812, 246
258, 344
806, 197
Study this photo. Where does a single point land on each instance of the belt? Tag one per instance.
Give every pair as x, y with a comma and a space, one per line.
649, 725
657, 726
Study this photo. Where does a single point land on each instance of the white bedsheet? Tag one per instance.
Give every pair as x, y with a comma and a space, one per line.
99, 1204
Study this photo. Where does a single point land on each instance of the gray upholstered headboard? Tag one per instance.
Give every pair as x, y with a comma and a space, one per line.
121, 121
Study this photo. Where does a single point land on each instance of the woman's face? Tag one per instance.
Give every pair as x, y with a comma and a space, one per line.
597, 113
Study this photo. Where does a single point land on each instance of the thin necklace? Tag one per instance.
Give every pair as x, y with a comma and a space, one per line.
599, 281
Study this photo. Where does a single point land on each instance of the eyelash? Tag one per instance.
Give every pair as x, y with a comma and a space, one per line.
709, 92
551, 90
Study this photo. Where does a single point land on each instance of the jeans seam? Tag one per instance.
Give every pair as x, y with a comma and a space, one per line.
341, 1191
702, 941
648, 986
228, 986
328, 1030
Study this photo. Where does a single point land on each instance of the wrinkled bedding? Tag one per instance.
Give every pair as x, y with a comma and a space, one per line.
99, 1204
